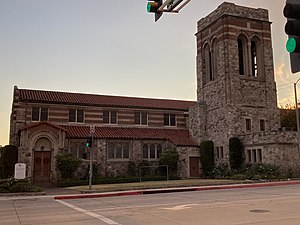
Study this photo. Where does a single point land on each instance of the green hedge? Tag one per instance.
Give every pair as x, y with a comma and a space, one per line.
12, 186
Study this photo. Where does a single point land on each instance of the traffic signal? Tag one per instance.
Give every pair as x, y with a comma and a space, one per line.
292, 28
153, 7
89, 142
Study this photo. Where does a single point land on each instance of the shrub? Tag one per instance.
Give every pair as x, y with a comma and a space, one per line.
67, 164
262, 171
13, 185
131, 169
170, 158
207, 158
222, 171
236, 153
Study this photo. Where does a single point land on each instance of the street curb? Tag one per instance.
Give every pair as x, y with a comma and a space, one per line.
172, 190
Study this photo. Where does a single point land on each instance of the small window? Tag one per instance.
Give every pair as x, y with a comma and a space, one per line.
110, 117
72, 115
248, 125
221, 152
35, 114
39, 114
169, 120
141, 118
254, 155
262, 125
79, 115
76, 115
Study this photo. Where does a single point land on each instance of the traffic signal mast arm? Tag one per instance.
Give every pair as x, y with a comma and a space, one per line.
171, 6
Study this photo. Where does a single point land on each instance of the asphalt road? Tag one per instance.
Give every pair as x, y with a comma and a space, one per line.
260, 206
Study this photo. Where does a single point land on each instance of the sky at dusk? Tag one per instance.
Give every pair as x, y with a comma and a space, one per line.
112, 47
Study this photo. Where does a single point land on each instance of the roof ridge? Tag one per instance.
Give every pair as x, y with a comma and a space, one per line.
104, 95
85, 99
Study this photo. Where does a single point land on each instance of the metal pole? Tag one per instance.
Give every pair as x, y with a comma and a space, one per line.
297, 116
91, 165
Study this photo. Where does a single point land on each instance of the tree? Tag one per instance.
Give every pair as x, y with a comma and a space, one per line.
170, 158
8, 159
207, 158
236, 153
288, 118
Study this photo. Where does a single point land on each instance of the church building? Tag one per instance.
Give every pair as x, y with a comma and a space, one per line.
236, 97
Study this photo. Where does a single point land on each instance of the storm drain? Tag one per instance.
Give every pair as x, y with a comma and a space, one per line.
259, 211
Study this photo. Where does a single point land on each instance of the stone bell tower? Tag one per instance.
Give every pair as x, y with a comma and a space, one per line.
236, 91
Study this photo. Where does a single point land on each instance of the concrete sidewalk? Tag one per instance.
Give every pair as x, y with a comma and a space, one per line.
170, 190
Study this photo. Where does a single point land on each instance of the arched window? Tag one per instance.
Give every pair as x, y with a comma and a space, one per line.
242, 55
151, 151
145, 151
159, 151
214, 59
255, 57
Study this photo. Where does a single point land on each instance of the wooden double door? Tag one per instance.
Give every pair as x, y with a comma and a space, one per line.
42, 165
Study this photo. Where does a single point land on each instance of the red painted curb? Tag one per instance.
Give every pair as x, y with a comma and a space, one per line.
268, 184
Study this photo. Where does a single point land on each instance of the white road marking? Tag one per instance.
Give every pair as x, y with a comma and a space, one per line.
180, 207
97, 216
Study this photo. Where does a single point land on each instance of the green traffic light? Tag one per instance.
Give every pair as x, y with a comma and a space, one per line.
149, 7
291, 45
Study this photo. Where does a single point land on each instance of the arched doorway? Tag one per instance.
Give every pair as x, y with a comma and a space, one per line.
42, 161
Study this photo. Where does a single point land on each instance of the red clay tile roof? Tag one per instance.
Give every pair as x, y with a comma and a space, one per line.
54, 97
178, 137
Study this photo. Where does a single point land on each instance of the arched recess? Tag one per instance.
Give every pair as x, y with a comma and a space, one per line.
43, 145
256, 57
206, 64
214, 59
242, 43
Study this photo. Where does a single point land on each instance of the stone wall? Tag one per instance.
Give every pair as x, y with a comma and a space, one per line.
278, 147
